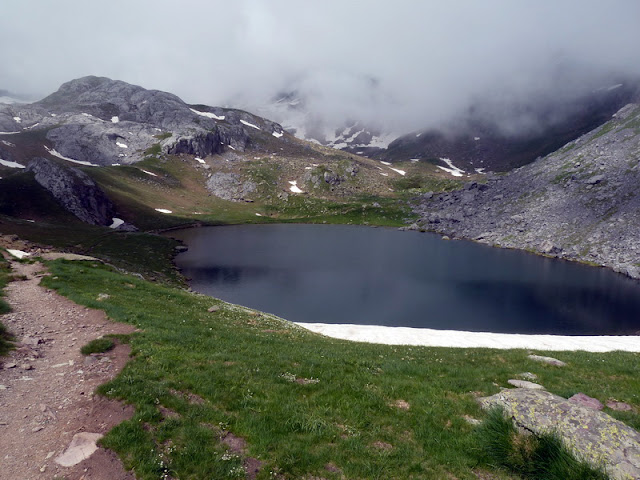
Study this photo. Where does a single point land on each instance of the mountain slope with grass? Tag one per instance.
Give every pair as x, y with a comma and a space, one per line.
126, 159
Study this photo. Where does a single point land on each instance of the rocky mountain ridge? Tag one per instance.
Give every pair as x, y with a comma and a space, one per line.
578, 203
99, 121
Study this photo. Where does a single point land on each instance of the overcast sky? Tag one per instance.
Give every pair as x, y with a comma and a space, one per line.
406, 61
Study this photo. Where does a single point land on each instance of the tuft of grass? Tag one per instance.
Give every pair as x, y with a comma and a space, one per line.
302, 401
5, 277
534, 457
163, 135
99, 345
153, 150
419, 182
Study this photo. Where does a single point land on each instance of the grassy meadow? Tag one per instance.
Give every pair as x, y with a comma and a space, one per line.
222, 390
5, 276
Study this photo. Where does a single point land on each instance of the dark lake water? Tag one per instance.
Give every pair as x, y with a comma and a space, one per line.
377, 276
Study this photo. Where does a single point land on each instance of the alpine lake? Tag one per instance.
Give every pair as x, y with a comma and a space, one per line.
379, 276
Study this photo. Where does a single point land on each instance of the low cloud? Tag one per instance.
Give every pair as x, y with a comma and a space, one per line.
404, 64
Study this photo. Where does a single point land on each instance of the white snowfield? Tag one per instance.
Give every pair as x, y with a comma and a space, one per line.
277, 134
10, 164
116, 222
199, 160
401, 172
18, 253
59, 155
249, 124
294, 187
115, 119
163, 210
450, 338
122, 145
207, 114
453, 170
150, 173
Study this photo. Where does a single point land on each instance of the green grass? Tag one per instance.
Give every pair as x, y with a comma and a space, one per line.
5, 337
302, 401
99, 345
530, 456
419, 182
154, 149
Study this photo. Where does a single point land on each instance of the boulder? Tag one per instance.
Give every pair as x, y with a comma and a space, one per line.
525, 384
594, 180
590, 435
548, 360
549, 248
586, 401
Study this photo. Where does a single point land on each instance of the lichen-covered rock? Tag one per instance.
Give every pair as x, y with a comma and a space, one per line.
586, 401
590, 435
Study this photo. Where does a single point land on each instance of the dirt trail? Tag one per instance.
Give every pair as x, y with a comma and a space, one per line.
47, 385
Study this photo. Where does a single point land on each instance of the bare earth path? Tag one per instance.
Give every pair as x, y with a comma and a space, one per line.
47, 385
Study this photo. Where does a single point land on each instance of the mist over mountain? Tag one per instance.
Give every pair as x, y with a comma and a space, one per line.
396, 66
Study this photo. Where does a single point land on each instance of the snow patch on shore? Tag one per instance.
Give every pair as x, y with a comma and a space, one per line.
18, 253
450, 338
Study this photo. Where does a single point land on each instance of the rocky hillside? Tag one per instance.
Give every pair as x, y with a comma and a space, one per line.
579, 203
115, 154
